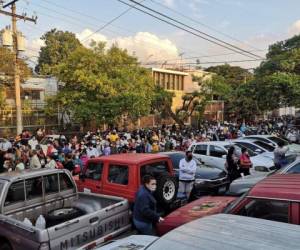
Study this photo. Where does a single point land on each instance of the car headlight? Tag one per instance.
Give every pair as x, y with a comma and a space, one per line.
199, 181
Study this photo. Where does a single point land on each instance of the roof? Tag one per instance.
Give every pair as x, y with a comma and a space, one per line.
217, 143
231, 232
11, 176
278, 186
170, 71
131, 158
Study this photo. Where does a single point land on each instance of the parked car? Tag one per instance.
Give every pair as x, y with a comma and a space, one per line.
72, 219
273, 140
242, 185
276, 198
230, 232
264, 149
121, 175
214, 154
208, 179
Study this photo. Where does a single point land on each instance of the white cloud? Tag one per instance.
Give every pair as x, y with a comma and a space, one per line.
87, 36
294, 29
169, 3
148, 47
145, 46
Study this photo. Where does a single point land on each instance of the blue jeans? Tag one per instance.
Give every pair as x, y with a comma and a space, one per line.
143, 227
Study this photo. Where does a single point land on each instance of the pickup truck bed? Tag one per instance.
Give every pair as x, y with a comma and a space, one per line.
95, 217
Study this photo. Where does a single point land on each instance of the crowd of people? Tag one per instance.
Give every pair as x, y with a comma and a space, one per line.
26, 151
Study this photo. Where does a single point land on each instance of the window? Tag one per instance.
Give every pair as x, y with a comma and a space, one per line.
249, 146
277, 140
200, 149
94, 170
267, 209
36, 95
16, 193
295, 169
34, 188
216, 151
154, 169
51, 183
264, 145
65, 182
118, 174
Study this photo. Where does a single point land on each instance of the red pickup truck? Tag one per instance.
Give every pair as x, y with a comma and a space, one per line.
275, 198
121, 175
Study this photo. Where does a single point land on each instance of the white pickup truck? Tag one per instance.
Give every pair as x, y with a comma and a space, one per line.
72, 219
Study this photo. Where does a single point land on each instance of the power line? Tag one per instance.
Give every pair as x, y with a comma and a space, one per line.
205, 25
193, 33
200, 56
187, 26
110, 22
153, 45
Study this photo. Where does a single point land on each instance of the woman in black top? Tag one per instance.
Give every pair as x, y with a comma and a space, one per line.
232, 164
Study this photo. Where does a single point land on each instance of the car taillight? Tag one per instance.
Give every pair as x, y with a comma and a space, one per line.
44, 246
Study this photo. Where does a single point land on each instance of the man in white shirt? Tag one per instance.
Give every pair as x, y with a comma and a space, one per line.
187, 171
92, 151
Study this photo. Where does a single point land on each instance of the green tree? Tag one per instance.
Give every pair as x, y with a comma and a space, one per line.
58, 46
7, 68
233, 75
102, 85
278, 77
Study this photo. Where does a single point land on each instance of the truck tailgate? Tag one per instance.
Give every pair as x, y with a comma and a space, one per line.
82, 230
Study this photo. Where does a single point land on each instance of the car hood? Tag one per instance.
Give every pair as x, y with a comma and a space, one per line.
209, 173
262, 160
242, 185
295, 148
197, 209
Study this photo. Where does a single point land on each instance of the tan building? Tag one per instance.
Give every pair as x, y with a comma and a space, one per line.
174, 81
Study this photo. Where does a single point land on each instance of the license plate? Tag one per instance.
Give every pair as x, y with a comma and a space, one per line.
222, 189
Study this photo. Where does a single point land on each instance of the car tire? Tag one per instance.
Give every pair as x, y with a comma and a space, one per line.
166, 191
61, 215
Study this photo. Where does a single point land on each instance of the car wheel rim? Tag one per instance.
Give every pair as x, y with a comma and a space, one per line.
169, 190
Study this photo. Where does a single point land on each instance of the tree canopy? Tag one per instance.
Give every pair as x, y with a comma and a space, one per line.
58, 46
102, 85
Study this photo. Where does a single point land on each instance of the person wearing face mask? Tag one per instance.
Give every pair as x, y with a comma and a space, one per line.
144, 212
187, 171
245, 163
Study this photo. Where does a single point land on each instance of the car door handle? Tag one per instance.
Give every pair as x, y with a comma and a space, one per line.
94, 220
98, 187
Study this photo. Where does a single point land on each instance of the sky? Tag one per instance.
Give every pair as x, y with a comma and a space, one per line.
251, 25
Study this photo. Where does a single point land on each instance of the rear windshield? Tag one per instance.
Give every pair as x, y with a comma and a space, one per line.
277, 140
264, 145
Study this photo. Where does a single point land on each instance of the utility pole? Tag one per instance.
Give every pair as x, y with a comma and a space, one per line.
14, 17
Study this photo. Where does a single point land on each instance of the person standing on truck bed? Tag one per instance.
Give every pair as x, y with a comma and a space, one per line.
187, 171
144, 212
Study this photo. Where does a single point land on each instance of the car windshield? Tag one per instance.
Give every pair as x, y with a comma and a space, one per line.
234, 203
277, 140
238, 148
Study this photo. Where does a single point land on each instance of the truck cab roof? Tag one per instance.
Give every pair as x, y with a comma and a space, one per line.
131, 159
19, 175
278, 186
